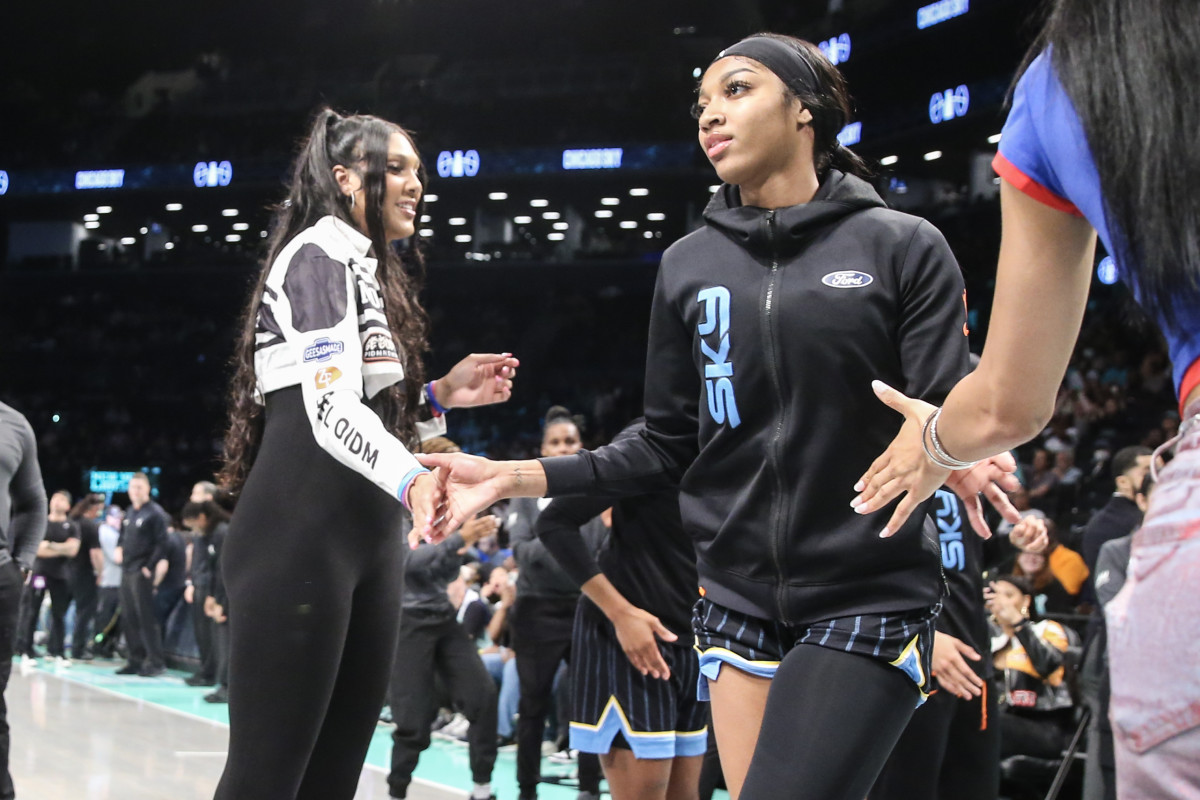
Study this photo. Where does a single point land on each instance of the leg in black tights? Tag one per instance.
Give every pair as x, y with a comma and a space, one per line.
361, 687
831, 720
309, 662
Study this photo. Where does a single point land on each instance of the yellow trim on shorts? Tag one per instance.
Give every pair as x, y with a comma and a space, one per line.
626, 728
742, 659
910, 647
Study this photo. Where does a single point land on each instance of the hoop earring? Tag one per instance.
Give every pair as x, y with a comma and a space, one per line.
352, 200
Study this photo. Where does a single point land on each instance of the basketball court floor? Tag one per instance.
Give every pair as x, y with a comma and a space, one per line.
85, 733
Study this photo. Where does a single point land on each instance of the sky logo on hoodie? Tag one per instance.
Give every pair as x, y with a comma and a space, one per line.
718, 372
950, 531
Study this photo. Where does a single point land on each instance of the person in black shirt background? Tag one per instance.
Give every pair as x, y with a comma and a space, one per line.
142, 545
542, 617
170, 577
216, 608
22, 524
85, 567
208, 523
638, 710
1120, 515
51, 573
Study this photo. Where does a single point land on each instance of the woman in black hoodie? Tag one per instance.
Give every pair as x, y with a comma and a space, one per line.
768, 325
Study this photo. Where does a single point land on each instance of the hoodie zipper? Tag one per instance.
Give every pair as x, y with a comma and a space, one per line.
776, 522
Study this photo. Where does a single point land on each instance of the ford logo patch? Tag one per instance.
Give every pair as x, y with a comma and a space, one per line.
847, 279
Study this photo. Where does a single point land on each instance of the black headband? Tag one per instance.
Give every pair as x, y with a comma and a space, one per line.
791, 67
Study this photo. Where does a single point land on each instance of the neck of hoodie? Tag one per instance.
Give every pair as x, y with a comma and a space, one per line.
839, 196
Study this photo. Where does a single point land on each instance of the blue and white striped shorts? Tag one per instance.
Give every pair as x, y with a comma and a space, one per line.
756, 646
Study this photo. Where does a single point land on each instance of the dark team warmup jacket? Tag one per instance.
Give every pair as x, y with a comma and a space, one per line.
648, 557
766, 331
963, 615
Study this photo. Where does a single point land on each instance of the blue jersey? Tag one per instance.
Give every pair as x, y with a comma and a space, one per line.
1044, 153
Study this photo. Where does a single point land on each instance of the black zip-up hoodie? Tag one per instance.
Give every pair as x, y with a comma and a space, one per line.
766, 330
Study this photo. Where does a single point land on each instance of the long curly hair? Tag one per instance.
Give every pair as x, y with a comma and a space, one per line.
359, 142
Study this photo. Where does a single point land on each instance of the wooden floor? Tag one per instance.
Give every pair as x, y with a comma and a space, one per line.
77, 742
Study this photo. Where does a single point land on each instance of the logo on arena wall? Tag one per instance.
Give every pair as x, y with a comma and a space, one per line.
3, 182
836, 49
212, 173
326, 377
945, 106
718, 374
323, 350
458, 164
847, 279
379, 347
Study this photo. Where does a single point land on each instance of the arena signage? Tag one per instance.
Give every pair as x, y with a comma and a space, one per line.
3, 182
109, 481
934, 13
212, 173
100, 179
947, 105
596, 158
1106, 271
837, 49
850, 135
458, 163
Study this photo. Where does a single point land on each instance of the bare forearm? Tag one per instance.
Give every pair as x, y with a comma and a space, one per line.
496, 625
521, 479
1041, 291
600, 591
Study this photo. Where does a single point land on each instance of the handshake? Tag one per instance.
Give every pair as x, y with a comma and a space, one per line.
459, 486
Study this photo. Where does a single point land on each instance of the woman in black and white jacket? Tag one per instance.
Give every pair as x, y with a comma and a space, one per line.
326, 402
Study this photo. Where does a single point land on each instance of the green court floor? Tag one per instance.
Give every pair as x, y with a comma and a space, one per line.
445, 762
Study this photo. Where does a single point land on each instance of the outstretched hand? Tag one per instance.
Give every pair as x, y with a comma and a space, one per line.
467, 485
904, 470
480, 379
426, 500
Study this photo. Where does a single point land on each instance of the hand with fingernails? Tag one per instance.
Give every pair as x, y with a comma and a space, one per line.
426, 500
480, 379
905, 470
951, 669
1030, 535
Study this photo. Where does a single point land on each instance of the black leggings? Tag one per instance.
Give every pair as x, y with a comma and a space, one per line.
949, 751
312, 566
831, 720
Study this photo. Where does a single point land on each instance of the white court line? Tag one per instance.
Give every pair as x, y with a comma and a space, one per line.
180, 712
